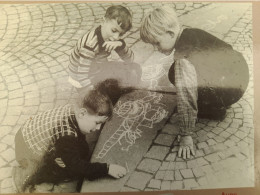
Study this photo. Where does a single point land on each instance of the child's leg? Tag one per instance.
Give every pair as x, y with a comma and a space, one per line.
213, 102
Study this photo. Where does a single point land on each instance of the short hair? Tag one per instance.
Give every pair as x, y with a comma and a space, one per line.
158, 21
97, 103
121, 14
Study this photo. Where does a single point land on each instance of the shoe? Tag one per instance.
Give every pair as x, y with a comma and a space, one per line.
20, 179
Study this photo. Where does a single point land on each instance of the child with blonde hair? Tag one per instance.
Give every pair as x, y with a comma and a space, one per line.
208, 74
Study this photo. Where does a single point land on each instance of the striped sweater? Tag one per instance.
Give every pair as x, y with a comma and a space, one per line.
88, 50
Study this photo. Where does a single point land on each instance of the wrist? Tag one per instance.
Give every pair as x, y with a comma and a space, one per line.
122, 46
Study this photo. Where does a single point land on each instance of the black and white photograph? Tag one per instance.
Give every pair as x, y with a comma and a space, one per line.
126, 96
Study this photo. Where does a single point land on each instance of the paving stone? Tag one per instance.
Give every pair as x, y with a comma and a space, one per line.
32, 102
171, 166
207, 169
190, 183
138, 180
9, 190
155, 183
231, 130
10, 120
45, 106
165, 165
219, 139
27, 80
171, 156
170, 129
229, 143
30, 110
14, 110
177, 175
192, 163
241, 134
217, 130
212, 157
202, 181
224, 134
157, 152
3, 147
180, 165
2, 162
149, 165
211, 142
6, 183
5, 172
8, 139
217, 166
186, 173
5, 130
160, 174
164, 139
16, 102
223, 125
169, 175
8, 155
198, 172
176, 185
166, 185
202, 145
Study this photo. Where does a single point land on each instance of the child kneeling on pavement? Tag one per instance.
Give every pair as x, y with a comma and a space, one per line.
51, 147
208, 74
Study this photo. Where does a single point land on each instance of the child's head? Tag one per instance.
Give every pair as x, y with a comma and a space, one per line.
95, 109
161, 28
118, 20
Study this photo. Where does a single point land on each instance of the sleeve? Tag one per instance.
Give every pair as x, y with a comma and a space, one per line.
75, 156
187, 95
125, 52
82, 57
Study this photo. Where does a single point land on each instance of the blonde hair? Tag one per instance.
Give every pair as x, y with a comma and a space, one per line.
158, 21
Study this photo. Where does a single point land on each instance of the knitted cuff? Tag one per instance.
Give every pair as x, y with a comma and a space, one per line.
121, 47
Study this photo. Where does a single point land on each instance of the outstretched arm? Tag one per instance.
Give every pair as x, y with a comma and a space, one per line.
187, 95
73, 156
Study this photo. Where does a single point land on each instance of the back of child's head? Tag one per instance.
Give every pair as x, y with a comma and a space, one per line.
97, 103
112, 88
157, 22
121, 14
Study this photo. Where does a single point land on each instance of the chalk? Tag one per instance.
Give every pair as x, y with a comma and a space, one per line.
127, 170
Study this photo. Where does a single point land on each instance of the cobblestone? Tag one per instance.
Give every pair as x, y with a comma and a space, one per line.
157, 152
164, 139
149, 165
138, 180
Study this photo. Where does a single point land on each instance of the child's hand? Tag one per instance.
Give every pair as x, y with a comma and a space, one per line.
116, 171
186, 147
111, 45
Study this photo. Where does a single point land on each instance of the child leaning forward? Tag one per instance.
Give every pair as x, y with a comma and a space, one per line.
51, 147
88, 61
208, 74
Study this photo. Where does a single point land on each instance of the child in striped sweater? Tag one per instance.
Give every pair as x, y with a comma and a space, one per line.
88, 61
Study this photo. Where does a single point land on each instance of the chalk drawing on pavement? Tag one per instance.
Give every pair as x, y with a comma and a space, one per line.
143, 112
210, 25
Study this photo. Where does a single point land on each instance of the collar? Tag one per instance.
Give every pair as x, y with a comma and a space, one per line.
99, 37
178, 38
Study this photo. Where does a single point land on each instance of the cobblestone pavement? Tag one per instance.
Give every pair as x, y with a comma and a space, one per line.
35, 43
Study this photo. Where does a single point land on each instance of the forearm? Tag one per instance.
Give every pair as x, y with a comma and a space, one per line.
125, 52
186, 85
